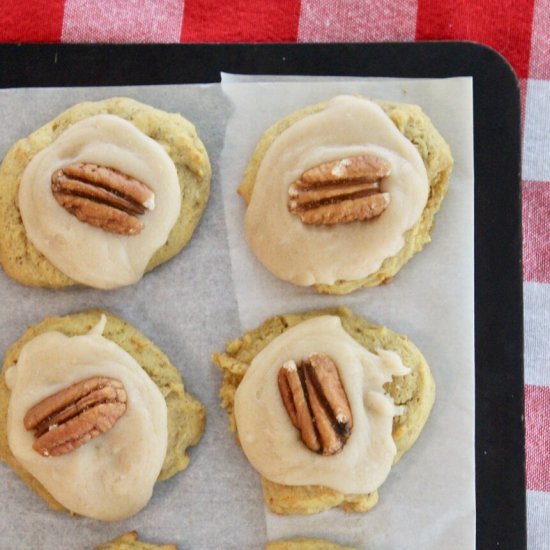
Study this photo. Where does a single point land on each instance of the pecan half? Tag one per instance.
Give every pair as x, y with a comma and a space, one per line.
340, 191
316, 403
102, 196
73, 416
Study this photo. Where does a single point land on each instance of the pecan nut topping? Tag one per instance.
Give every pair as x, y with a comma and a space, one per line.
316, 403
340, 191
102, 196
73, 416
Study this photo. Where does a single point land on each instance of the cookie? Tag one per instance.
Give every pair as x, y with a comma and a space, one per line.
411, 388
304, 544
130, 541
44, 232
340, 195
183, 417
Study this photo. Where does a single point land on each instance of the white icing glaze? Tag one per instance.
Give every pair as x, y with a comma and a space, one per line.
88, 254
112, 476
273, 445
307, 255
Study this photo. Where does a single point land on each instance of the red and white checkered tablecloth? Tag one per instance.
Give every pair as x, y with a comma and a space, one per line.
518, 29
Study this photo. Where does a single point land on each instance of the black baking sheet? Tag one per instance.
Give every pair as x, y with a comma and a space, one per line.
500, 457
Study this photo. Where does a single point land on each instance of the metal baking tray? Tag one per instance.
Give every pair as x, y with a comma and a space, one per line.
499, 440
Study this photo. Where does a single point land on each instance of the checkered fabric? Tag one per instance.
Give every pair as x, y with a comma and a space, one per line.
518, 29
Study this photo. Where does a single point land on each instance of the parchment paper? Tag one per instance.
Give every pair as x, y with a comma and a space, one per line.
215, 289
428, 500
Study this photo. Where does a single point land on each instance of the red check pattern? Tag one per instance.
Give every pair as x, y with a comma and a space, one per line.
518, 29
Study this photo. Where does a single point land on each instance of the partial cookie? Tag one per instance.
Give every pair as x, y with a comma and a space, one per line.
342, 194
401, 403
91, 224
130, 541
305, 544
157, 406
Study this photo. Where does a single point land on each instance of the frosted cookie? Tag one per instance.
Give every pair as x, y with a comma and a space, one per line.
295, 388
130, 541
101, 194
304, 544
340, 195
131, 425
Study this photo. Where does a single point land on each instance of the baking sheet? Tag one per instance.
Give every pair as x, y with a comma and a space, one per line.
215, 289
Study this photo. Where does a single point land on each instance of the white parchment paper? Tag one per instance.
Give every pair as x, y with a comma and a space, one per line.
428, 501
215, 289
